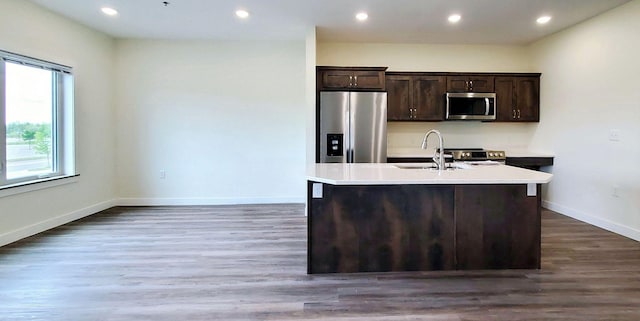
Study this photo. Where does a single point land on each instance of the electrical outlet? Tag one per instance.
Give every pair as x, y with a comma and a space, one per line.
614, 135
163, 174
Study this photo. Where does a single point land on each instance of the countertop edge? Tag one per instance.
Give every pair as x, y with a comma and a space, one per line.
432, 182
386, 175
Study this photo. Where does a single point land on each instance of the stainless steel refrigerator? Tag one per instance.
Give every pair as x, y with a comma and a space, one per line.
353, 127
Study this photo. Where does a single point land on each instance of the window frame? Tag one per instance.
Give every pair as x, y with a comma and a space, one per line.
62, 127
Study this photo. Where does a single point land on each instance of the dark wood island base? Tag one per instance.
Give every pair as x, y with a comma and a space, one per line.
378, 228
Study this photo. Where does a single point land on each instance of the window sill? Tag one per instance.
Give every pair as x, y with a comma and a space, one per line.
30, 186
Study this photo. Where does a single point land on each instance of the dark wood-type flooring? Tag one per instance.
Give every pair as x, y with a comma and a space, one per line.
249, 263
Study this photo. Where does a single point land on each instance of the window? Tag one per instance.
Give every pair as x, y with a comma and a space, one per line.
36, 120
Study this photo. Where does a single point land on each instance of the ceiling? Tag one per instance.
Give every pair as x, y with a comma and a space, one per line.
390, 21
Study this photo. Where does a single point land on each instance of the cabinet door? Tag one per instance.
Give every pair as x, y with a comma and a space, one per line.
517, 99
376, 228
457, 84
399, 100
470, 83
428, 94
498, 227
337, 79
481, 84
528, 99
505, 98
368, 80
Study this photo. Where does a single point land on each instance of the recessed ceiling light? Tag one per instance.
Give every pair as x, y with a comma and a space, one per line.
544, 19
109, 11
362, 16
242, 14
454, 18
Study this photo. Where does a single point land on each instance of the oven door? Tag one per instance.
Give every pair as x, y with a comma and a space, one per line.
471, 106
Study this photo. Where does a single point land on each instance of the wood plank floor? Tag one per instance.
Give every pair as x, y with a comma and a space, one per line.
249, 263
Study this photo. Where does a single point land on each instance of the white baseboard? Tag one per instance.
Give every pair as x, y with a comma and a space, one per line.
39, 227
593, 220
206, 201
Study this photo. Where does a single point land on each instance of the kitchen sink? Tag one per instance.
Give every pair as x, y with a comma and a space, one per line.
425, 166
428, 166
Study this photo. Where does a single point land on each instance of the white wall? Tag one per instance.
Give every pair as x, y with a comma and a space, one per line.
311, 95
225, 120
444, 58
32, 31
591, 86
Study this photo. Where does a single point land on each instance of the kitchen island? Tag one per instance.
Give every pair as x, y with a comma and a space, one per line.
400, 217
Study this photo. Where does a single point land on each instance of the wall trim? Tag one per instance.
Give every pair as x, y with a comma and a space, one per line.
593, 220
207, 201
40, 227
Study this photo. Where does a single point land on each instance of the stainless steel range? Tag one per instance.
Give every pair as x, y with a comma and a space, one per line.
471, 155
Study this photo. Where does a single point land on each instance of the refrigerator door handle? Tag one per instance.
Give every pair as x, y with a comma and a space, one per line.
349, 142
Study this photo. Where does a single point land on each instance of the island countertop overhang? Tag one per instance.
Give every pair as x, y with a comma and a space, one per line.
391, 174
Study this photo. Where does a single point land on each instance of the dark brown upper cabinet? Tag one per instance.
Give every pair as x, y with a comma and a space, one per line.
415, 97
351, 78
470, 83
518, 98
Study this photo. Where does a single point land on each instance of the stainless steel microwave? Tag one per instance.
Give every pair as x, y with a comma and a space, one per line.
471, 106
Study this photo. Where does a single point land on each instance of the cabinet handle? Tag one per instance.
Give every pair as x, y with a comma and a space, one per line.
350, 81
466, 84
410, 113
470, 85
514, 113
356, 81
518, 113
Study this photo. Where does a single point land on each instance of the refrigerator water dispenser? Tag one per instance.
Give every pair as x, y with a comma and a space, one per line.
334, 144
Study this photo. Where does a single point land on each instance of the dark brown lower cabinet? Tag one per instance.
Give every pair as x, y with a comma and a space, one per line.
497, 227
378, 228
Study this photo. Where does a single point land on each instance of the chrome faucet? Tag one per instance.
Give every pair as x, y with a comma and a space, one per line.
438, 157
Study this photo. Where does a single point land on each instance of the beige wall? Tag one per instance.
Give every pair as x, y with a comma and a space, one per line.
224, 120
426, 57
32, 31
590, 87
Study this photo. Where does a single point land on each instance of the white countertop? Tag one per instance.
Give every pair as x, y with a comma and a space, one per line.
428, 153
390, 174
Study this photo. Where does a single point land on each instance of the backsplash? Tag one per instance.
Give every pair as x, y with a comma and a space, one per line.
462, 134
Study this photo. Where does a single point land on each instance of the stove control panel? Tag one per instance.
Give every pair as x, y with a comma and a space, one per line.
478, 155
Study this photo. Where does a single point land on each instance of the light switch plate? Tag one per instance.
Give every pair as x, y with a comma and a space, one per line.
614, 135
